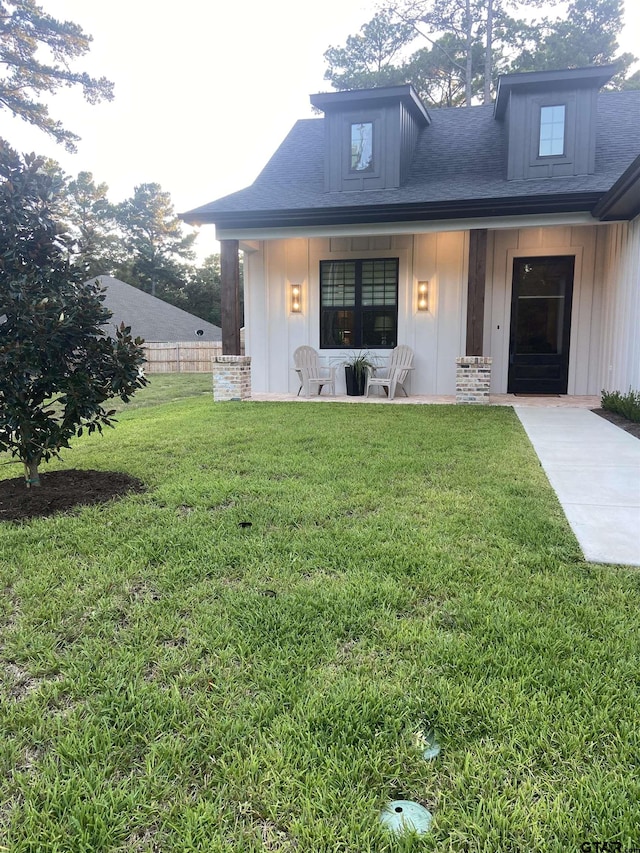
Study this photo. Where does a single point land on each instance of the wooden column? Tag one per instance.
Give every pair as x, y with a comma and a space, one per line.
230, 296
475, 290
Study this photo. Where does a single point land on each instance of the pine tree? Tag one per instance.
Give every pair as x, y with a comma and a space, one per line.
36, 51
154, 239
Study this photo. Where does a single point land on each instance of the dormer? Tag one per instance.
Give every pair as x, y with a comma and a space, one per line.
551, 121
370, 136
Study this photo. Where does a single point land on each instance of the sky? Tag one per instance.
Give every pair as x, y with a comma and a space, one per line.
205, 90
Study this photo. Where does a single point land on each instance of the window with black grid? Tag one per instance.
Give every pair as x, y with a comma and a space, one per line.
359, 303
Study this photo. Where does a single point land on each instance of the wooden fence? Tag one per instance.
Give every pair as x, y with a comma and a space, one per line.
181, 356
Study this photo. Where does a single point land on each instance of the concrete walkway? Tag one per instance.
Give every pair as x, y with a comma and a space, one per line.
594, 468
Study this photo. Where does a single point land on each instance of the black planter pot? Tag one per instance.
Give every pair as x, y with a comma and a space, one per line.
355, 381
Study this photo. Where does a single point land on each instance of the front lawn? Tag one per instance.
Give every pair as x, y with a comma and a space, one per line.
241, 658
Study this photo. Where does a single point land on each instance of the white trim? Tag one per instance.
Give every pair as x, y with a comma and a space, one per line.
425, 227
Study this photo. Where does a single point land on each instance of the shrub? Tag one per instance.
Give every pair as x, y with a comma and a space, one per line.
627, 405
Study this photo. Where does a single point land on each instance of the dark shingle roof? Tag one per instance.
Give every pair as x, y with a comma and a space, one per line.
152, 318
460, 157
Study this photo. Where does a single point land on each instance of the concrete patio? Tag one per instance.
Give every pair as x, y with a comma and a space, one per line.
419, 400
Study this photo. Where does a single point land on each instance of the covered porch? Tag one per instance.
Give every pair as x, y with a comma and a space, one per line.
455, 296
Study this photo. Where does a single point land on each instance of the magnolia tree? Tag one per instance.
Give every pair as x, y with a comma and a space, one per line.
57, 366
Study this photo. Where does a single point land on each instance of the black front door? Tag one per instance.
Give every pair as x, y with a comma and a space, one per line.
540, 325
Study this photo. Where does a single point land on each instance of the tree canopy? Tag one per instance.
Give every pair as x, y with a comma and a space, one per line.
57, 366
453, 50
154, 239
141, 240
36, 54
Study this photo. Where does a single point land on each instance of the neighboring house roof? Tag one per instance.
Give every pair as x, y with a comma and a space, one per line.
151, 318
458, 171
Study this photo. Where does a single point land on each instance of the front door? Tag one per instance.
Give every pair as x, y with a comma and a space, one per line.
540, 325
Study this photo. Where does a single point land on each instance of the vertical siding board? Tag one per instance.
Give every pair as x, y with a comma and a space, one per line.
425, 323
296, 326
504, 242
619, 367
606, 334
594, 366
451, 265
634, 314
626, 359
581, 238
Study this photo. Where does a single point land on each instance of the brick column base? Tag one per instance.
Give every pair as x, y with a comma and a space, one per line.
231, 377
473, 379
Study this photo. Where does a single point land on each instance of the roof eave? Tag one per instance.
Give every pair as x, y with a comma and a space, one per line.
406, 94
416, 212
622, 201
533, 81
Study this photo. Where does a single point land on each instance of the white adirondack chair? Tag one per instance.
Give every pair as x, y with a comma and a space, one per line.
395, 375
311, 375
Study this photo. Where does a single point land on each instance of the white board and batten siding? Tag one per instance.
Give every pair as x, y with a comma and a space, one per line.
605, 318
621, 316
273, 333
604, 344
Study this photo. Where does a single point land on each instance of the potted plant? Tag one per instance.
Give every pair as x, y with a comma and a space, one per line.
355, 371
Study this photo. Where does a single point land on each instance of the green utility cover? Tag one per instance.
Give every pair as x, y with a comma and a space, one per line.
401, 816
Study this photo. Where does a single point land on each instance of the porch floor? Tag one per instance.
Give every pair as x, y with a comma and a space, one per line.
563, 402
592, 465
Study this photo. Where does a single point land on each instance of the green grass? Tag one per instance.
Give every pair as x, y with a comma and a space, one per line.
173, 681
166, 388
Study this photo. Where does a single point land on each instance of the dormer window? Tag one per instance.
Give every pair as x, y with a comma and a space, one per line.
370, 137
362, 146
550, 118
552, 131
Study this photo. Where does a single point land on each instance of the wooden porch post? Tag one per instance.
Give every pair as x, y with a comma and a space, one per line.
475, 290
230, 296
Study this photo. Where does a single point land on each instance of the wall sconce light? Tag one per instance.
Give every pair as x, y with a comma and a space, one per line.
296, 298
423, 296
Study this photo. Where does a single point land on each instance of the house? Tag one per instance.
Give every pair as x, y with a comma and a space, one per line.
509, 233
175, 341
152, 318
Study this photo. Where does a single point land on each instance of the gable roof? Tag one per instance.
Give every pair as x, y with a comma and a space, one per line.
152, 318
458, 171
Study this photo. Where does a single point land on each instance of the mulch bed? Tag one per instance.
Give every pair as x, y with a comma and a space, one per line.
62, 491
628, 426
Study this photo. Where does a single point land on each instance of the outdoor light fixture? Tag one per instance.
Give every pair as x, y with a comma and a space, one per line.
296, 298
423, 296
